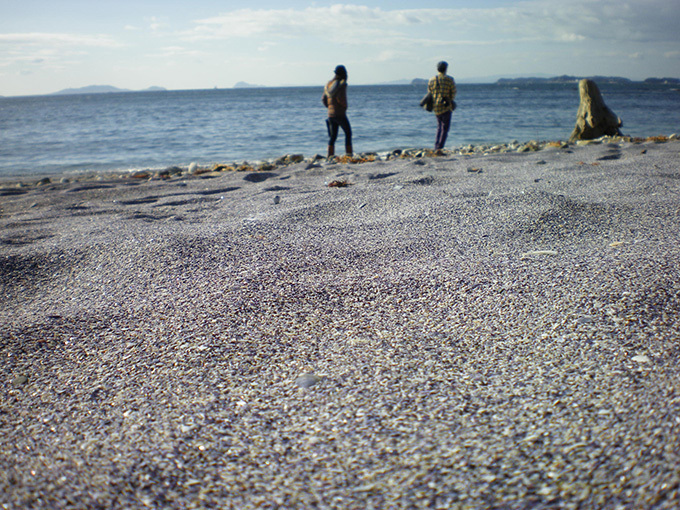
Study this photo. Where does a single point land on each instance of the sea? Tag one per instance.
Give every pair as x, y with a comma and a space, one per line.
128, 131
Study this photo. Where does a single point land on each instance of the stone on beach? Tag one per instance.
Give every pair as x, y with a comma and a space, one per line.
307, 380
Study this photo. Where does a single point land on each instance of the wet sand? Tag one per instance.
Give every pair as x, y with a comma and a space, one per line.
460, 331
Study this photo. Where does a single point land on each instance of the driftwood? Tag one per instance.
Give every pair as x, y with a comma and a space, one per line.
594, 119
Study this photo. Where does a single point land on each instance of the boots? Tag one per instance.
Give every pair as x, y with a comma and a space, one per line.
331, 151
348, 148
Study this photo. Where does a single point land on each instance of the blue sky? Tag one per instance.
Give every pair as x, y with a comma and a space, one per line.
49, 45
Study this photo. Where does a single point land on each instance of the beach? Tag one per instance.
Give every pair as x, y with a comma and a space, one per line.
478, 329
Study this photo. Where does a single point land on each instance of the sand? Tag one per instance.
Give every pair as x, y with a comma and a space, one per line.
462, 331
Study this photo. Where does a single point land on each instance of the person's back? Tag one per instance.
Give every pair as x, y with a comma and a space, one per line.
336, 92
335, 98
443, 90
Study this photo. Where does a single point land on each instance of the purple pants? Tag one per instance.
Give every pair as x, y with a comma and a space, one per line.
443, 125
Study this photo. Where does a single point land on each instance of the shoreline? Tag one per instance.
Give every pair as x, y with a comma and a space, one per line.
273, 163
455, 331
276, 163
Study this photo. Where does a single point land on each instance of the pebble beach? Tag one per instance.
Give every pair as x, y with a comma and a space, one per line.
485, 328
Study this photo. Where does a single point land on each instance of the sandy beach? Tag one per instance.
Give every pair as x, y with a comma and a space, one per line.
465, 331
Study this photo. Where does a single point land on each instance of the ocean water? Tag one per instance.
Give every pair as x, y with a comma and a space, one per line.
152, 130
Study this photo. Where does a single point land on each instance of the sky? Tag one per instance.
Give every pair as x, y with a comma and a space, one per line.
50, 45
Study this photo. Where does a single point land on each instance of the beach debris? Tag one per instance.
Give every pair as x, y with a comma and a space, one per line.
594, 119
532, 146
355, 158
294, 158
20, 381
641, 358
616, 244
142, 174
193, 167
538, 253
173, 170
307, 380
289, 159
473, 170
223, 168
339, 184
277, 199
424, 181
201, 171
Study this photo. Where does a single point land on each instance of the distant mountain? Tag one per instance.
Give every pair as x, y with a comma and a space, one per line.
102, 89
561, 79
495, 77
663, 81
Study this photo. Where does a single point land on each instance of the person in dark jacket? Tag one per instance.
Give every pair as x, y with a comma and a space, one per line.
335, 98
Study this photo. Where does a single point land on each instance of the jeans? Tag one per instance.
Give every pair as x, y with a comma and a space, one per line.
443, 125
334, 124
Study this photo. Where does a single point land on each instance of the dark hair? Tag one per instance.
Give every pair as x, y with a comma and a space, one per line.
442, 66
341, 71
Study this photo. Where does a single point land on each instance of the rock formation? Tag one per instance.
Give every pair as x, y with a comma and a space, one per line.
594, 119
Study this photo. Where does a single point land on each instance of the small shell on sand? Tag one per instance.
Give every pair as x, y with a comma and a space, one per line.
538, 253
307, 380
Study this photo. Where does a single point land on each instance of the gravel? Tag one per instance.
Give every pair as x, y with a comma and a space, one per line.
425, 336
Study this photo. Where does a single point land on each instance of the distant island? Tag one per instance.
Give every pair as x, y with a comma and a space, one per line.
569, 79
576, 79
418, 82
103, 89
663, 81
562, 79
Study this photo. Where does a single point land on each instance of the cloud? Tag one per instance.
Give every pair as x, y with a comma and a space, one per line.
580, 20
537, 20
35, 50
44, 39
175, 51
155, 25
342, 23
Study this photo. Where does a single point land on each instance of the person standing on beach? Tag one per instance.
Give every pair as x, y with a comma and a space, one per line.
335, 98
443, 90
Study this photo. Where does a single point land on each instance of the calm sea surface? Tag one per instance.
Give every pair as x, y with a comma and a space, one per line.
140, 130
